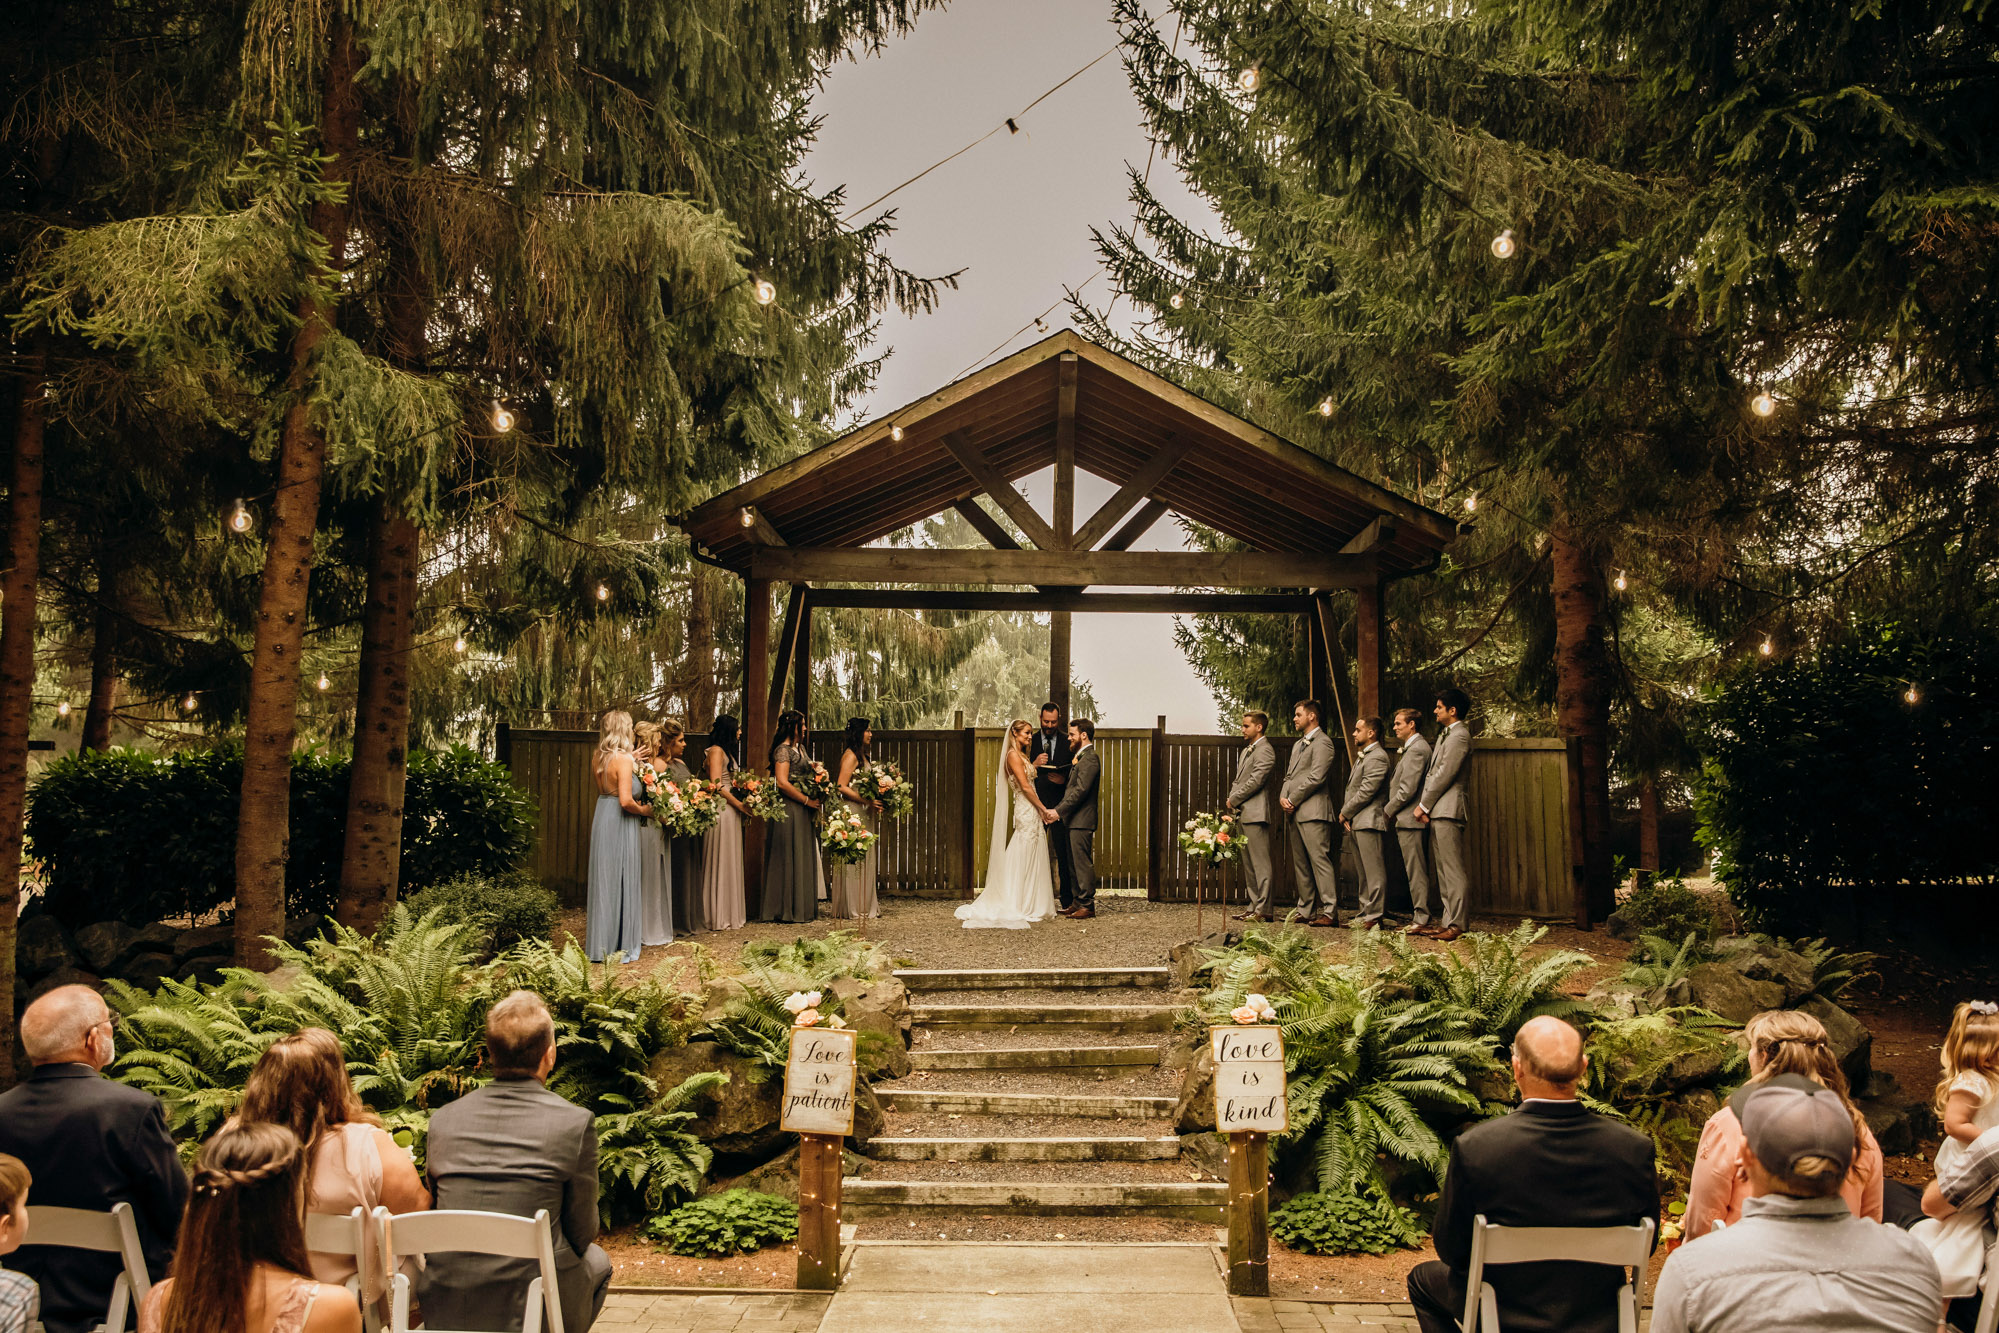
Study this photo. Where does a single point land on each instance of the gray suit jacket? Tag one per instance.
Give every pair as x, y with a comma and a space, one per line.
1078, 808
1407, 784
1305, 780
511, 1147
1367, 790
1251, 792
1444, 785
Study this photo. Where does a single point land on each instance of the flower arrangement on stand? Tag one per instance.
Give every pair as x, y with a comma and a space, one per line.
761, 794
1213, 836
845, 836
888, 786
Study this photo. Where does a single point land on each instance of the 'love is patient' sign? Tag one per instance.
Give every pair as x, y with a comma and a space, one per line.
819, 1082
1249, 1079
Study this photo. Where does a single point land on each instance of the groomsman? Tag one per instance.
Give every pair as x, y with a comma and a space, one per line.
1304, 798
1361, 813
1051, 780
1251, 801
1403, 790
1443, 808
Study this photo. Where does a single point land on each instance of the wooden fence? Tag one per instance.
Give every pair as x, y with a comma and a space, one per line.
1152, 782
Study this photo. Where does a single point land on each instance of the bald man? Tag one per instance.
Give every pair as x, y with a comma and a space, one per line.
90, 1143
1551, 1163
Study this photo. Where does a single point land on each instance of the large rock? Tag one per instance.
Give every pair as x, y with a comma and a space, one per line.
1185, 959
1180, 1047
880, 1008
1851, 1041
1723, 990
869, 1122
1760, 960
779, 1175
1209, 1152
1621, 926
206, 942
104, 945
41, 947
740, 1117
146, 969
157, 938
1195, 1111
63, 976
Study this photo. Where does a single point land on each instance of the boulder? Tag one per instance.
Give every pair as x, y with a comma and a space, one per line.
1615, 1000
1890, 1124
205, 942
869, 1121
302, 928
1184, 960
146, 969
200, 971
779, 1175
1621, 926
1721, 989
740, 1117
1760, 960
1851, 1041
42, 946
1209, 1152
877, 1009
1693, 1107
1195, 1111
1880, 1083
1694, 1067
156, 938
1179, 1048
104, 945
63, 976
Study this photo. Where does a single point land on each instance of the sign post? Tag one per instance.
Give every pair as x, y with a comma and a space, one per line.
1249, 1108
819, 1108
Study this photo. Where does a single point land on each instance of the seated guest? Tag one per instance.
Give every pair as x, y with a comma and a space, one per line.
1798, 1259
515, 1147
1551, 1163
92, 1143
241, 1265
350, 1160
1782, 1041
20, 1300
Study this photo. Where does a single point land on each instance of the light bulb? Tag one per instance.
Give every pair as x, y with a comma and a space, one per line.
1504, 244
1249, 79
503, 420
1011, 126
1766, 648
323, 684
1040, 325
1914, 696
458, 644
766, 291
1763, 404
1471, 502
895, 433
1177, 300
1621, 583
239, 518
62, 709
745, 517
1325, 407
187, 704
603, 592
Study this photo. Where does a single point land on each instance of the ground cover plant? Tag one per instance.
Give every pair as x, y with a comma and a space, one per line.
1324, 1223
735, 1221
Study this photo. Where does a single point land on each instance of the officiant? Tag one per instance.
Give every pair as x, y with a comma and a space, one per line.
1051, 758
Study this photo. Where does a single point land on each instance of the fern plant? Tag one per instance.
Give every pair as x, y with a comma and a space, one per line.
646, 1159
757, 1026
1636, 1063
820, 960
1656, 967
1494, 978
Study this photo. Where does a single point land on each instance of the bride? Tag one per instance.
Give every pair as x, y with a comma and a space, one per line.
1020, 889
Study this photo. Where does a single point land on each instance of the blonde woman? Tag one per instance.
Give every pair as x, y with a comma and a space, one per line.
1020, 886
1781, 1041
655, 873
613, 919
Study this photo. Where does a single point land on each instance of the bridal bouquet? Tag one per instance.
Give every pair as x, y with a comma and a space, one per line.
761, 795
1213, 836
884, 782
693, 806
845, 836
813, 780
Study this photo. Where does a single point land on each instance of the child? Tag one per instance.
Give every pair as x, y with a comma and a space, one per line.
1968, 1098
20, 1299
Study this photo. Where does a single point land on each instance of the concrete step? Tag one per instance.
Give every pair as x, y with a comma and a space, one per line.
877, 1198
1030, 978
1023, 1104
1118, 1149
1095, 1017
1038, 1057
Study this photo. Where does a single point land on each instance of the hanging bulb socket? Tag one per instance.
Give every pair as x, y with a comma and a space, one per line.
1177, 300
1912, 696
458, 644
239, 518
503, 420
896, 433
1011, 126
1325, 407
187, 704
1621, 582
603, 592
1040, 325
1766, 647
1505, 245
1250, 79
766, 291
323, 684
746, 516
1471, 502
1764, 404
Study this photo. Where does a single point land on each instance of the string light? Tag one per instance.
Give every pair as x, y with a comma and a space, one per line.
895, 433
1177, 300
766, 291
239, 518
1622, 583
1325, 407
1766, 647
187, 704
1763, 404
746, 516
1250, 79
1040, 324
603, 592
1471, 502
1012, 127
503, 420
62, 709
323, 684
458, 644
1505, 244
1913, 697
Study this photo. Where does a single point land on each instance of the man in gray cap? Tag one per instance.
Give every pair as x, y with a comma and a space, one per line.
1798, 1260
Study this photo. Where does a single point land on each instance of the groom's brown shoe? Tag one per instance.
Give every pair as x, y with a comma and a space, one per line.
1083, 914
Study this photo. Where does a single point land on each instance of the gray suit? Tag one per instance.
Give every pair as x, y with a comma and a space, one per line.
1444, 800
1403, 789
515, 1147
1078, 814
1251, 796
1311, 825
1367, 793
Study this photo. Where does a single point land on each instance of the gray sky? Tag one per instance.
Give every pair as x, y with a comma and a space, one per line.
1015, 214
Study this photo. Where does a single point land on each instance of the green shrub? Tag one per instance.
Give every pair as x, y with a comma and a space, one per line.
508, 908
734, 1222
1658, 965
1323, 1223
1494, 978
139, 837
1671, 910
840, 953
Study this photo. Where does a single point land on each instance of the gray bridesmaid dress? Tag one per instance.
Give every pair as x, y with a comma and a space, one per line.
684, 856
655, 880
791, 856
611, 923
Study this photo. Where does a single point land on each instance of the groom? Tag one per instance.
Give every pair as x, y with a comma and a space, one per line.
1078, 815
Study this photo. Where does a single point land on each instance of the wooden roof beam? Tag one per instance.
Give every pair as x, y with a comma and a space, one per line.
1141, 523
986, 525
983, 599
1063, 569
1138, 487
762, 528
1373, 537
1004, 495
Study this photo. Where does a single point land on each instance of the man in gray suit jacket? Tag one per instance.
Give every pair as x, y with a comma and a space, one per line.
1361, 812
1249, 797
1077, 814
515, 1147
1404, 789
1303, 795
1442, 810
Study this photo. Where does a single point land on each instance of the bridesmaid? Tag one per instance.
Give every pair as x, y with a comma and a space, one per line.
683, 853
722, 905
791, 845
854, 885
655, 874
611, 925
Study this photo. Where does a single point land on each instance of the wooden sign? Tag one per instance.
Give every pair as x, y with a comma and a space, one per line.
1249, 1080
819, 1082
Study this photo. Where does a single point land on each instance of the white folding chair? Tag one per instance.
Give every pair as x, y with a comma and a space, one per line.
115, 1232
1622, 1247
352, 1236
1988, 1309
461, 1231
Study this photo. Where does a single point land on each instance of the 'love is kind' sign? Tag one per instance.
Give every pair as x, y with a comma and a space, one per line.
1249, 1079
819, 1082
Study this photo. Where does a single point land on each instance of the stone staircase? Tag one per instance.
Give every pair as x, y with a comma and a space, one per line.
1034, 1092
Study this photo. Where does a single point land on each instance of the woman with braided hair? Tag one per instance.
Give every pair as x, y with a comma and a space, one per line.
1780, 1041
241, 1265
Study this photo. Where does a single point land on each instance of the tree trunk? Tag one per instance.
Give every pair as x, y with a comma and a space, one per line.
263, 832
103, 661
17, 662
1648, 829
371, 858
702, 691
1582, 700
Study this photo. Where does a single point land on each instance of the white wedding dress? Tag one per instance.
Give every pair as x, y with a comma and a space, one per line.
1020, 885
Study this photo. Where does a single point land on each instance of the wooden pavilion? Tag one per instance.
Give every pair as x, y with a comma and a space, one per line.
1067, 403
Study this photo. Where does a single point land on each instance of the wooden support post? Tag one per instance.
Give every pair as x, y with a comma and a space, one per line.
801, 661
756, 716
819, 1212
968, 865
1316, 669
1060, 639
1249, 1215
787, 650
1065, 450
1156, 844
1369, 628
1572, 788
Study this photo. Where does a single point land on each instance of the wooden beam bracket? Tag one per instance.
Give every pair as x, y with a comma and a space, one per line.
1003, 492
1139, 487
